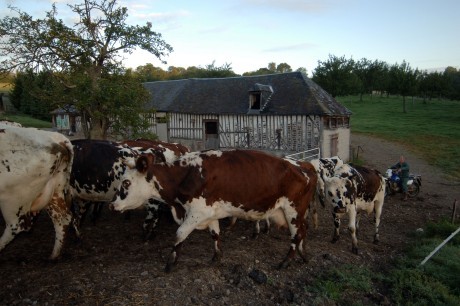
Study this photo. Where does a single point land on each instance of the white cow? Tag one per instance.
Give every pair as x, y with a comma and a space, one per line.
34, 174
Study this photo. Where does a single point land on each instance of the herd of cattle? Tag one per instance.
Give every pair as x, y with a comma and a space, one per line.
200, 188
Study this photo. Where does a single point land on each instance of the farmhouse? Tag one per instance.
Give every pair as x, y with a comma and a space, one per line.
280, 113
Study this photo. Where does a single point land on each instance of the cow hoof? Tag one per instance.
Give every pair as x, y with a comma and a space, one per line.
53, 260
335, 239
255, 235
148, 236
217, 257
354, 250
376, 241
284, 264
169, 267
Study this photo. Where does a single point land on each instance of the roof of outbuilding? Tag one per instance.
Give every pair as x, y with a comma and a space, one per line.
66, 109
290, 93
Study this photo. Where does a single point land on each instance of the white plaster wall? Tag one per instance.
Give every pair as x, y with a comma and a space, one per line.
343, 143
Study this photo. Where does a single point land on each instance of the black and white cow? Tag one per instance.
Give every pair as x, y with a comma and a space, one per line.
325, 167
97, 169
34, 175
202, 188
355, 189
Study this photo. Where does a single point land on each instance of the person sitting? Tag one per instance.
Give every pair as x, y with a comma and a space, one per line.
402, 168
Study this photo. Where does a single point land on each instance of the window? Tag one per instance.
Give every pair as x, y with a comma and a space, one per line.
336, 122
210, 127
254, 100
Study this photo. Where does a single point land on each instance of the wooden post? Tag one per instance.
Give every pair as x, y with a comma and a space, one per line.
454, 212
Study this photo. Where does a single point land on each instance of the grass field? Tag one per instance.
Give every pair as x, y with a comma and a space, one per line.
5, 87
26, 121
431, 129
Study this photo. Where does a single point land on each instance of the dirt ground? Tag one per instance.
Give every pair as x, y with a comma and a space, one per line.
114, 266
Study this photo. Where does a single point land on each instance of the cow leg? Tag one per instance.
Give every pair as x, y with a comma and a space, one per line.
358, 219
189, 224
267, 226
232, 223
377, 213
215, 234
298, 228
16, 223
96, 211
336, 235
314, 212
352, 229
151, 220
61, 216
11, 230
79, 209
256, 232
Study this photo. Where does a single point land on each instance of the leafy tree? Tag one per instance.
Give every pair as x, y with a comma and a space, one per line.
403, 81
150, 73
432, 84
336, 76
302, 69
382, 76
452, 76
25, 94
283, 68
272, 68
370, 74
363, 71
82, 57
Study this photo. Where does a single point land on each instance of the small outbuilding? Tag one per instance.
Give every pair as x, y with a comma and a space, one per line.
281, 113
66, 119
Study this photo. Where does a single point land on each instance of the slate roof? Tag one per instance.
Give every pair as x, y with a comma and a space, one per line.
292, 93
66, 109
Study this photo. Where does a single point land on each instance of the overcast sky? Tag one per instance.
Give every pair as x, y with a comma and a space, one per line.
248, 34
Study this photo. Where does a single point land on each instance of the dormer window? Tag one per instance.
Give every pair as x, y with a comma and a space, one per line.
254, 100
259, 96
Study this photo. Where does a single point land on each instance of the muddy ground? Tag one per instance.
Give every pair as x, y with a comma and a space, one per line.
114, 266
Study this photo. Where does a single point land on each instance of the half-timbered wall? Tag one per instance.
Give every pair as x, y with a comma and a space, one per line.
283, 133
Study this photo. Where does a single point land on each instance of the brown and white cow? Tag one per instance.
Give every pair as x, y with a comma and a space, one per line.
34, 175
205, 187
355, 189
97, 169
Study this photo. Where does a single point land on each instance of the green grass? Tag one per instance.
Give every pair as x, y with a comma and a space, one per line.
436, 282
26, 120
343, 285
406, 282
431, 130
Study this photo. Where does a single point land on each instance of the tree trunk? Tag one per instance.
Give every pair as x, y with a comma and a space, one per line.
84, 125
99, 129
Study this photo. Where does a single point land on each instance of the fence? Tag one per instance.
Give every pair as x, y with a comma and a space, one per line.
306, 155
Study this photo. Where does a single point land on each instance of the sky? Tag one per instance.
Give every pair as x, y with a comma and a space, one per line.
250, 34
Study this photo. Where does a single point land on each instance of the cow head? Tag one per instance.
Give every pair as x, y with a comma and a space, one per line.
325, 168
340, 192
138, 184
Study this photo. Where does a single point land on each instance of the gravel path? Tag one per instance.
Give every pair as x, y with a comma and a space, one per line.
380, 154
